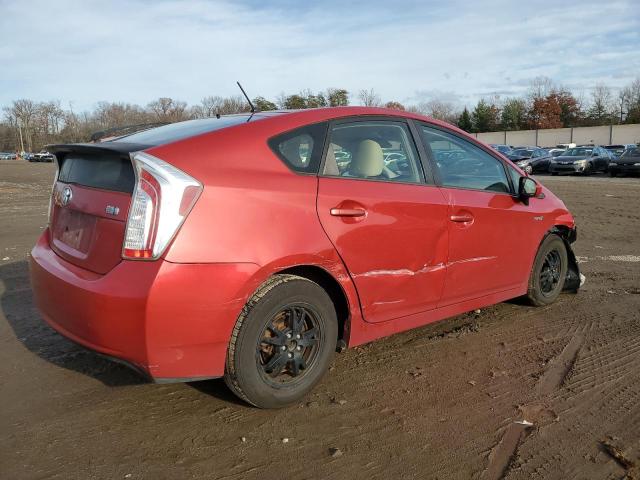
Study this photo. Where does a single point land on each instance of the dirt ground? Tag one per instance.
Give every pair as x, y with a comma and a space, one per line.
443, 401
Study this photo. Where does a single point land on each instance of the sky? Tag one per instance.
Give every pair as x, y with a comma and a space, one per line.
83, 52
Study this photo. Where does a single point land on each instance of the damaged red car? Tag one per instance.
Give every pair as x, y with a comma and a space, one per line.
253, 246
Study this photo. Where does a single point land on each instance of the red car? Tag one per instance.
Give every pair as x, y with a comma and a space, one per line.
252, 246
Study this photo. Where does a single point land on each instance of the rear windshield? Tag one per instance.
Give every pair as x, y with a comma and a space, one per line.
98, 171
178, 131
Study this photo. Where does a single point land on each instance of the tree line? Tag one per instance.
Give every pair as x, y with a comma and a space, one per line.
31, 125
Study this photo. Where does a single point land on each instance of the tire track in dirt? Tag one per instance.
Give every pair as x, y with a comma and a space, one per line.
560, 367
553, 378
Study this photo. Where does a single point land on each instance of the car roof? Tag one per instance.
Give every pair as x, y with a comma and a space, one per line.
282, 119
271, 123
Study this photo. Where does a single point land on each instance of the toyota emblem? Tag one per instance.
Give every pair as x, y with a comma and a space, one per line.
66, 196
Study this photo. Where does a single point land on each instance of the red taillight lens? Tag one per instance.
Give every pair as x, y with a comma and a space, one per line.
163, 197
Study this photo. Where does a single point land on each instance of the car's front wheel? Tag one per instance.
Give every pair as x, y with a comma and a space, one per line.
549, 271
282, 343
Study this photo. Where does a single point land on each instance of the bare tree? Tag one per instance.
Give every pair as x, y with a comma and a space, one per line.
623, 102
369, 98
167, 109
601, 103
22, 115
540, 87
439, 110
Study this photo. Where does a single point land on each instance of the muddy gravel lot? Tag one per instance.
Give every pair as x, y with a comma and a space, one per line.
510, 392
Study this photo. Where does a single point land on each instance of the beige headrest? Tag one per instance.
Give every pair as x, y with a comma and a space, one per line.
368, 160
291, 151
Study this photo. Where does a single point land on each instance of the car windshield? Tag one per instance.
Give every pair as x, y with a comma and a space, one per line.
578, 152
631, 152
557, 153
617, 149
502, 148
523, 152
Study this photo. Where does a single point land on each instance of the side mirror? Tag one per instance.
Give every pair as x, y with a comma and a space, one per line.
528, 188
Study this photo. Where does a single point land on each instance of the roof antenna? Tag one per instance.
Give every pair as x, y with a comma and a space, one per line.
253, 108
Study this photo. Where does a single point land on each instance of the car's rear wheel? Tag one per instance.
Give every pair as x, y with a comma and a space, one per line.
549, 271
282, 343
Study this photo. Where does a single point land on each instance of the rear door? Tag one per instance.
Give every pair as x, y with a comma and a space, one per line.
385, 220
89, 208
491, 233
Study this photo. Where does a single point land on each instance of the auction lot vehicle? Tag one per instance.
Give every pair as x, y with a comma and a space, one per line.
584, 159
244, 247
617, 150
628, 163
8, 156
533, 159
42, 156
504, 149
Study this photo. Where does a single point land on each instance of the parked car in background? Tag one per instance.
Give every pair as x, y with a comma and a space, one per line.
556, 152
8, 156
504, 149
566, 146
27, 156
628, 163
584, 159
163, 249
532, 159
42, 156
617, 150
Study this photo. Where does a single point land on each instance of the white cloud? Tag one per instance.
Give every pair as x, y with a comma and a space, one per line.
83, 52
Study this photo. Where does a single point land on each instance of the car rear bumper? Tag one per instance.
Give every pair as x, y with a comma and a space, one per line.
170, 321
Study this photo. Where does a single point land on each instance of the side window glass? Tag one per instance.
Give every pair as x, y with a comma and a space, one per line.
463, 165
301, 149
373, 150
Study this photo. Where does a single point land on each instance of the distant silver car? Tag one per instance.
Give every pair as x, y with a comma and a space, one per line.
42, 156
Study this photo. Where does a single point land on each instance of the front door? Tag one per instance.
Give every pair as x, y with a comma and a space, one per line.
490, 240
386, 222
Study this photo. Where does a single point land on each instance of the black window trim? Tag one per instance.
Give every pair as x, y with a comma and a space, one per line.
425, 180
429, 154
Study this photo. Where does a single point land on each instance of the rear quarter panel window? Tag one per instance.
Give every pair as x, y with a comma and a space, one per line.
301, 149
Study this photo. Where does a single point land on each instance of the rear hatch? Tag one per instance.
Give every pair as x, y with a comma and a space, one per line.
90, 204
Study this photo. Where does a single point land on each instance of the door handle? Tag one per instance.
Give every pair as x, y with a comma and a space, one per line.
465, 218
348, 212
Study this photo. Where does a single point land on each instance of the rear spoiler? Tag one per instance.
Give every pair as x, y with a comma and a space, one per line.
105, 147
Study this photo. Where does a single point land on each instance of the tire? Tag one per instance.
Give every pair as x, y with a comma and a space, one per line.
554, 174
549, 271
612, 173
264, 361
589, 170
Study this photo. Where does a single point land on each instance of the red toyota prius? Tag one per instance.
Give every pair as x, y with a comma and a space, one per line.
250, 247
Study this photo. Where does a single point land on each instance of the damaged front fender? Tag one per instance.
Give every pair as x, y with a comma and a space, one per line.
574, 278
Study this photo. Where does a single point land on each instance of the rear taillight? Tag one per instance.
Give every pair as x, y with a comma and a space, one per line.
162, 199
